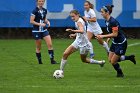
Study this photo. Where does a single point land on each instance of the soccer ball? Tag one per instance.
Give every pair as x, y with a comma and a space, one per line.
58, 74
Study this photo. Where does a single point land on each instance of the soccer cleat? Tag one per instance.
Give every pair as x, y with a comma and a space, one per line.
54, 62
40, 63
132, 59
120, 75
102, 63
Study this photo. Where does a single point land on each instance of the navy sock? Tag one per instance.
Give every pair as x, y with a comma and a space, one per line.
124, 58
51, 53
127, 58
38, 55
117, 68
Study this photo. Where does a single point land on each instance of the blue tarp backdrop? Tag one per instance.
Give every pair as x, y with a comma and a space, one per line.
16, 13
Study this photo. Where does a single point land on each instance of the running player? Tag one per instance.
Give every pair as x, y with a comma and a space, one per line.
119, 41
93, 28
39, 21
81, 42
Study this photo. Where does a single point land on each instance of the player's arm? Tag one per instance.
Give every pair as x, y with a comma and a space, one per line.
112, 35
90, 19
47, 22
107, 40
80, 30
72, 35
32, 18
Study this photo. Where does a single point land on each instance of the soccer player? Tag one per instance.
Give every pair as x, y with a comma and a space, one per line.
119, 41
39, 21
81, 42
93, 28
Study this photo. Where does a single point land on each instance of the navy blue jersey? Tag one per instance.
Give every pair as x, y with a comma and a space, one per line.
40, 16
114, 24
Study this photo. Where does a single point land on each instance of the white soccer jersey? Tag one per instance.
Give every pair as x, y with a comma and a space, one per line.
81, 38
92, 26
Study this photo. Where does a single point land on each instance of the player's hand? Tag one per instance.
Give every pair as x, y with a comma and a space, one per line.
49, 24
72, 36
43, 24
99, 37
69, 30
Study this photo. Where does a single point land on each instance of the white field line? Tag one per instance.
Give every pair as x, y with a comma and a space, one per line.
134, 44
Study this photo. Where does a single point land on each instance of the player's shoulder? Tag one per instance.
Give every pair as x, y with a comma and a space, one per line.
35, 9
44, 9
80, 20
113, 21
91, 11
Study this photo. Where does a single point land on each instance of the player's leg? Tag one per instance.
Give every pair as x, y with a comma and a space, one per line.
48, 41
91, 51
83, 54
104, 44
122, 49
37, 37
38, 52
115, 64
71, 49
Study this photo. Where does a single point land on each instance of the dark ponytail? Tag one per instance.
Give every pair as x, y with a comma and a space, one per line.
90, 4
108, 8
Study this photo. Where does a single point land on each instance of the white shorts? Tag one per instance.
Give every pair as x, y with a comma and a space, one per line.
83, 50
94, 31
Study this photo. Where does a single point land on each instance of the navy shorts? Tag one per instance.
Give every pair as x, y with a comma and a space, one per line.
119, 49
40, 35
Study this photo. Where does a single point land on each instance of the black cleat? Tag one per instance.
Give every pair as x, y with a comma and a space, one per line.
54, 62
132, 59
40, 63
120, 75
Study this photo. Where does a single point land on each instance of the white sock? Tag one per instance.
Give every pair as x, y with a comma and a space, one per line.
91, 50
92, 61
63, 63
105, 45
122, 58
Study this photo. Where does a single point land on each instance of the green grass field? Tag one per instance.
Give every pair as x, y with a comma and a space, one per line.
20, 72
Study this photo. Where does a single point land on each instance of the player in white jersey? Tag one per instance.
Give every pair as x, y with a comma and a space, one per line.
93, 28
81, 42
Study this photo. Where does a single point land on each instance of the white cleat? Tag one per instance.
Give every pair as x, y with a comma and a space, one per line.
102, 63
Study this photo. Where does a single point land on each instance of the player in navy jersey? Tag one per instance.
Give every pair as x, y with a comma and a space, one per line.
39, 21
119, 41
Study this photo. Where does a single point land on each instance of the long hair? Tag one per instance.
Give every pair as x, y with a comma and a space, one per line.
90, 4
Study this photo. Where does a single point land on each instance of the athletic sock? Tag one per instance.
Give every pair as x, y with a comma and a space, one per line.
105, 45
63, 63
38, 55
92, 61
91, 50
117, 68
123, 57
51, 54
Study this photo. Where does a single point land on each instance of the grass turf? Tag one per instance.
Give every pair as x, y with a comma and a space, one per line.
20, 72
